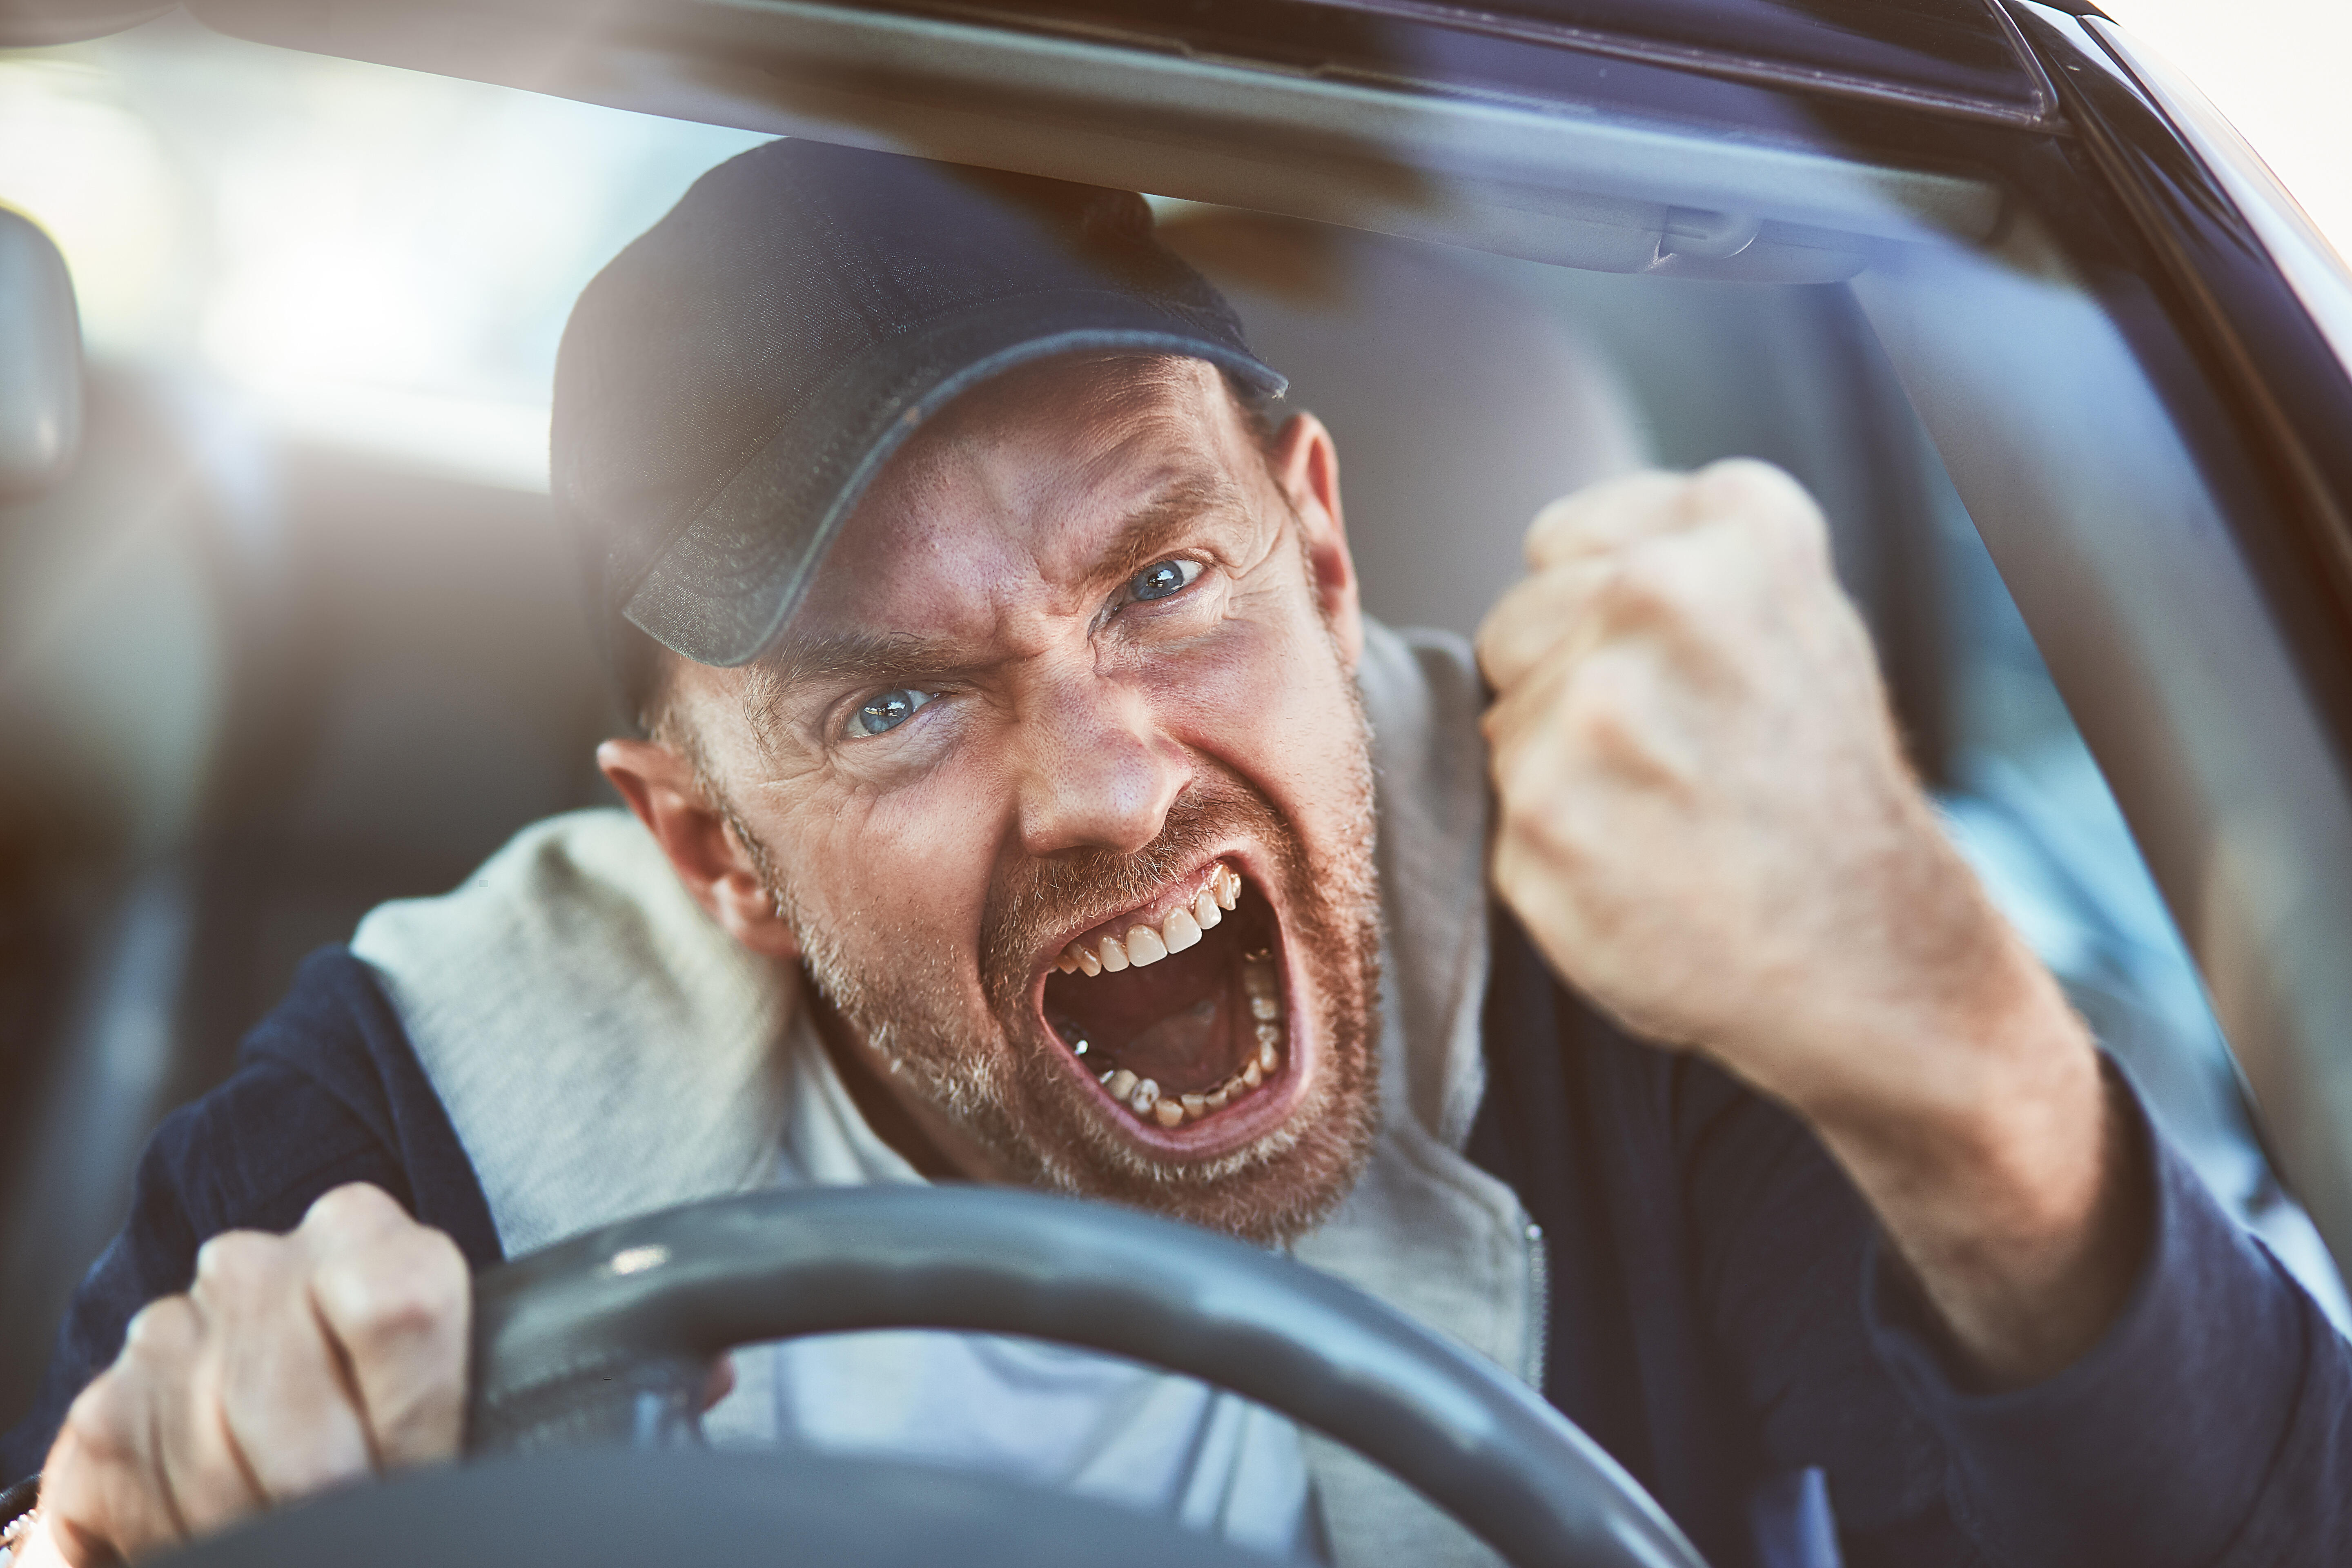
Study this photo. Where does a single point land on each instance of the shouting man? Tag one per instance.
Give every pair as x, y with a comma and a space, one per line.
1023, 797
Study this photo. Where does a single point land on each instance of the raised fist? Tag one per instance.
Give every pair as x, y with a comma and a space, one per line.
1706, 821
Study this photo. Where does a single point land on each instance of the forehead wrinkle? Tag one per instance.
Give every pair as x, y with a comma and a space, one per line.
1140, 538
1186, 490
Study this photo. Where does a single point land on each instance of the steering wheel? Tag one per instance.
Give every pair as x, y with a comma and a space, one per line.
610, 1337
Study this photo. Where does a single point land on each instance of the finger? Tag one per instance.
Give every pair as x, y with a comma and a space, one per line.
1749, 487
1606, 517
1531, 622
1608, 722
283, 1398
1661, 581
103, 1496
206, 1478
397, 1300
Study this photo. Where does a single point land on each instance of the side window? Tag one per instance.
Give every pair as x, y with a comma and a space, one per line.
2029, 806
1466, 390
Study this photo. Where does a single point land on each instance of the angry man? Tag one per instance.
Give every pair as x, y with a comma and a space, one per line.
1023, 797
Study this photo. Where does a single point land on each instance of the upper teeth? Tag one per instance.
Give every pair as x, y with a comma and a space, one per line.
1143, 1096
1178, 930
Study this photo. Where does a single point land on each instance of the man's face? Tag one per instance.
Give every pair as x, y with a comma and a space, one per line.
1062, 783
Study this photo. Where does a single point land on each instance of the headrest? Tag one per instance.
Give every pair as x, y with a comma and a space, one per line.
40, 361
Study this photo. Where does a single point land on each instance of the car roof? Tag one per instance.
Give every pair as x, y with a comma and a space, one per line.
1959, 55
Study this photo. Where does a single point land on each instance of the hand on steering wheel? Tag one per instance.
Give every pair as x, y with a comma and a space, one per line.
611, 1335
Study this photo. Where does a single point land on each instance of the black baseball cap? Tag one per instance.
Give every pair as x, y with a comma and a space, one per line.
731, 383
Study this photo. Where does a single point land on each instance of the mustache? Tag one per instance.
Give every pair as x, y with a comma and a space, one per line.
1033, 901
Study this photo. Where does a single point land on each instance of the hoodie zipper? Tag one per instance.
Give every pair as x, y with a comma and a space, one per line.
1539, 1305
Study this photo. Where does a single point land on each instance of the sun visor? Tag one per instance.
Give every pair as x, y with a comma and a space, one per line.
1579, 183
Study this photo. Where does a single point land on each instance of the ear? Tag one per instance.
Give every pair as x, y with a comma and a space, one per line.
710, 860
1306, 466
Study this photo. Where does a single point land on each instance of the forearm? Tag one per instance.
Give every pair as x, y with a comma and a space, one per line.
2004, 1170
2208, 1425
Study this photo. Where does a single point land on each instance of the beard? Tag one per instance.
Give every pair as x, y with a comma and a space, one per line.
990, 1065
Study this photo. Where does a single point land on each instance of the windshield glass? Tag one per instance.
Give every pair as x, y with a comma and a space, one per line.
414, 536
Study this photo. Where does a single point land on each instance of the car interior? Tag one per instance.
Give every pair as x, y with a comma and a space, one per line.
245, 701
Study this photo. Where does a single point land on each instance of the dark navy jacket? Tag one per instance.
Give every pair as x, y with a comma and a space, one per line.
1722, 1319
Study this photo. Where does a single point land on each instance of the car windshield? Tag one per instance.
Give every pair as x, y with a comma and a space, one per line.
321, 301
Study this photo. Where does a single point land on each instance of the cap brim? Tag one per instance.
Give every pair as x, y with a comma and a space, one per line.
721, 591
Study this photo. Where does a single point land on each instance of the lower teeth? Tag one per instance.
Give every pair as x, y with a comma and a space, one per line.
1141, 1096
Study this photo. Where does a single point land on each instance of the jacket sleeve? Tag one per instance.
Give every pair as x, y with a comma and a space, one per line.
2209, 1427
327, 1092
1781, 1243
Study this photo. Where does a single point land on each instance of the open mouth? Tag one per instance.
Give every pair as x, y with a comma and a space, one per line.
1182, 1017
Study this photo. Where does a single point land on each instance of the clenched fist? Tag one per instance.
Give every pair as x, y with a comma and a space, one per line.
1708, 824
1706, 819
1706, 816
293, 1363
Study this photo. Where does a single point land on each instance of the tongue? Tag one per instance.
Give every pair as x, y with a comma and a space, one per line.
1173, 1021
1184, 1051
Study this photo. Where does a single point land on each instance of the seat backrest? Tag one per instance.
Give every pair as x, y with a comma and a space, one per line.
40, 361
1459, 404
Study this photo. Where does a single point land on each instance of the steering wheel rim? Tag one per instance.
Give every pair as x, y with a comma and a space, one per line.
611, 1335
715, 1509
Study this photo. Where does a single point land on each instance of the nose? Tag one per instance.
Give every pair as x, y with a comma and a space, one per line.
1097, 770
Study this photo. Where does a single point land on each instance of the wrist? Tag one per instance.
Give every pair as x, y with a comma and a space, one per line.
1942, 1026
2006, 1176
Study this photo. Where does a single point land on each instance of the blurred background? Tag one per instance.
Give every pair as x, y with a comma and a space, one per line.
298, 635
2275, 70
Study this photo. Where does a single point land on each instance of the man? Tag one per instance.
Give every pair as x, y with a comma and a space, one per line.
1003, 676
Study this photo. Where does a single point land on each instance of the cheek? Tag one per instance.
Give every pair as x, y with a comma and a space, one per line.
908, 870
1269, 700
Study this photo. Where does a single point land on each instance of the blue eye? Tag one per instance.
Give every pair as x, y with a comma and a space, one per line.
887, 710
1165, 578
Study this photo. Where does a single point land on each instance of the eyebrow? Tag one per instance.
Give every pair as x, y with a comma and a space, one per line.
840, 657
850, 655
1145, 536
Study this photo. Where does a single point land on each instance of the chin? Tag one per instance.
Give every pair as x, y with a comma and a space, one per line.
1189, 1030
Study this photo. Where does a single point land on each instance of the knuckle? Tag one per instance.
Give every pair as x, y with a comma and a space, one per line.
102, 1422
163, 1331
1766, 495
238, 1262
1538, 852
1529, 804
1500, 635
408, 1287
356, 1206
1648, 580
1794, 534
1601, 701
1748, 480
1624, 739
1552, 517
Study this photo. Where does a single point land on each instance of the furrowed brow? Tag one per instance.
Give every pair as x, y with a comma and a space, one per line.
1154, 527
834, 659
838, 658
